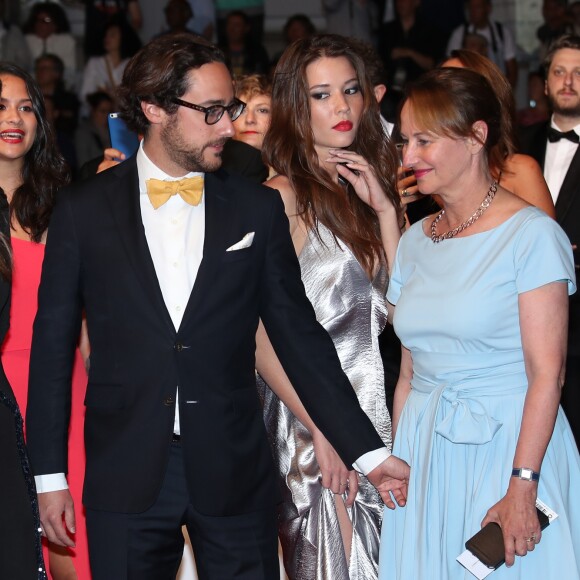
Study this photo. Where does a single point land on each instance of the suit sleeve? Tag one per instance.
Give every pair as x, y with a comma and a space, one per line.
55, 333
307, 352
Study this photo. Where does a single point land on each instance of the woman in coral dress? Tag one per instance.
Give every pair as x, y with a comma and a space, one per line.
30, 174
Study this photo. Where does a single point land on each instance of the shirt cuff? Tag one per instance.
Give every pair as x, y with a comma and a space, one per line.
50, 482
370, 460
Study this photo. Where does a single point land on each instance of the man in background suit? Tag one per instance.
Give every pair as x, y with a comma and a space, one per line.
173, 281
554, 144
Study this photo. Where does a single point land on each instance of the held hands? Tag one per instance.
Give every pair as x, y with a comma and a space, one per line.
516, 514
335, 475
57, 517
391, 477
355, 169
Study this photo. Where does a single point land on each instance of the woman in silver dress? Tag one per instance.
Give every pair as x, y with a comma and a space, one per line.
336, 174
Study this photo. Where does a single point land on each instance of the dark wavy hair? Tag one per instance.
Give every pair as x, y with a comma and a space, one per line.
158, 73
289, 149
44, 170
506, 144
5, 246
448, 101
54, 11
130, 41
302, 19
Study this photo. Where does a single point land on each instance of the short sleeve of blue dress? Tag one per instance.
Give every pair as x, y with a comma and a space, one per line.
543, 254
395, 282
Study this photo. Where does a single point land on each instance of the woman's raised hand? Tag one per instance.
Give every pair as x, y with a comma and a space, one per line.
355, 169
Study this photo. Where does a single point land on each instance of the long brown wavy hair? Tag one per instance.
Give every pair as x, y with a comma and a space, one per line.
289, 149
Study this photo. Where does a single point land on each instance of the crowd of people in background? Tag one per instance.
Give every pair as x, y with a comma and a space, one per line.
318, 122
75, 71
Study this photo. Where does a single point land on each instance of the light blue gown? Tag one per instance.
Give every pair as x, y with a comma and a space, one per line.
457, 312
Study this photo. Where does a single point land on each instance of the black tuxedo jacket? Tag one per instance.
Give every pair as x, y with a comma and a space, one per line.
97, 259
534, 141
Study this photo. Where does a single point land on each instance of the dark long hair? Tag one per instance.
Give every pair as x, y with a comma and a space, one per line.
54, 11
130, 41
5, 247
44, 170
289, 148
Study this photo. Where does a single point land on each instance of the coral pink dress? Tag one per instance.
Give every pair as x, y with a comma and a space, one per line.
28, 258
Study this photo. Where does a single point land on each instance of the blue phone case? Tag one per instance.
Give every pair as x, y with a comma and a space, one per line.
122, 138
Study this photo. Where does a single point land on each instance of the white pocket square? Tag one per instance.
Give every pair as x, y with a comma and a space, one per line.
245, 242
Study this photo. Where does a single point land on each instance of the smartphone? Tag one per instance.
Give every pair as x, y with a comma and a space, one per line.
122, 138
341, 179
488, 544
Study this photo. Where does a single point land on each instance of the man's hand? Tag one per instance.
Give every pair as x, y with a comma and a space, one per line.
57, 516
391, 476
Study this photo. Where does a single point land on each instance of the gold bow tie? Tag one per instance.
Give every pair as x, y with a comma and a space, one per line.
189, 189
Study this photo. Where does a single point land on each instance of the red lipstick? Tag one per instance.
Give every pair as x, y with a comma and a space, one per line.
421, 172
12, 135
343, 126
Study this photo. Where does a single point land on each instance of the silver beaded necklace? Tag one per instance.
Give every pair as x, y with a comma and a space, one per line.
468, 222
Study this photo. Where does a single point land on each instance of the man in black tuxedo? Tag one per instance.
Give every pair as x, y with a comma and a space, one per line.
554, 144
173, 287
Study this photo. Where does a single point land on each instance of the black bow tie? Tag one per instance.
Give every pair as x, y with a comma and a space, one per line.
555, 135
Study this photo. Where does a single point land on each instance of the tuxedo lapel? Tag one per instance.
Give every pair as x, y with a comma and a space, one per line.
539, 144
124, 202
570, 188
218, 217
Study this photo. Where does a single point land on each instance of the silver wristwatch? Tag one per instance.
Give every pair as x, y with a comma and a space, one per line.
526, 473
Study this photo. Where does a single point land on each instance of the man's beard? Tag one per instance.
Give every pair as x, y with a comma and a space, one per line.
185, 155
572, 111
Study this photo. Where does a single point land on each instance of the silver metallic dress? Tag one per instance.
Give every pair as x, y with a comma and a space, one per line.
353, 311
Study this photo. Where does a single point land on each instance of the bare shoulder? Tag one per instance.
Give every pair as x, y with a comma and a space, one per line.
279, 182
519, 163
282, 184
524, 177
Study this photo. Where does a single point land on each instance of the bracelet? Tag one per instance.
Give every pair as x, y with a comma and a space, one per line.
526, 473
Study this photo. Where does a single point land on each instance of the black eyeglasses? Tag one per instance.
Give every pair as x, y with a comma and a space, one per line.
214, 113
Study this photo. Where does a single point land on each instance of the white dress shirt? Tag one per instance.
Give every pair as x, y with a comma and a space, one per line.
557, 162
175, 233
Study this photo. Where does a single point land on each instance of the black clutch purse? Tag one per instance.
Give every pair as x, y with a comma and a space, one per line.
487, 545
